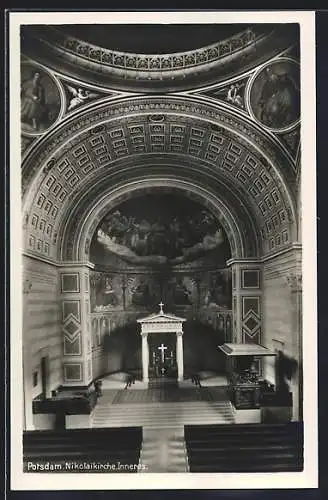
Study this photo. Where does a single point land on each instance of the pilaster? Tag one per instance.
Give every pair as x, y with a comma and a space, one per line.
246, 300
76, 330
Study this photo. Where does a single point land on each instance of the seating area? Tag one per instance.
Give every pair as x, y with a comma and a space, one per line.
119, 448
67, 402
245, 447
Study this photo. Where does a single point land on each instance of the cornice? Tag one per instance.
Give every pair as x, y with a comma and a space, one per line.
153, 62
293, 247
155, 72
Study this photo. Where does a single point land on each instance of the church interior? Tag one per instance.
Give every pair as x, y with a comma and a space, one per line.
162, 248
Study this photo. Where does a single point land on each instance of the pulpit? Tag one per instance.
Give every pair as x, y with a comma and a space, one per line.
244, 380
162, 345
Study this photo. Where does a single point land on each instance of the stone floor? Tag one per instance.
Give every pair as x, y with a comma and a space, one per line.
164, 450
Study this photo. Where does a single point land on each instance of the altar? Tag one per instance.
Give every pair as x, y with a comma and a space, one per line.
162, 345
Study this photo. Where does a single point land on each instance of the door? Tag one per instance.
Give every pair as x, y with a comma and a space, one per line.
44, 376
162, 350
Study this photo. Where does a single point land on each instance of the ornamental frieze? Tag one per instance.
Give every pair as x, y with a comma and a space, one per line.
152, 62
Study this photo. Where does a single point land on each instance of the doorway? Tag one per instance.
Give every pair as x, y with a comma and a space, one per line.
162, 356
44, 376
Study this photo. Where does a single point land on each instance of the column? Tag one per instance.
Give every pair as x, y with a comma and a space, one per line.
145, 356
180, 355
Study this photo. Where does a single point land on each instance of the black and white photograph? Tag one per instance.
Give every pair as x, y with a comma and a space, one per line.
163, 328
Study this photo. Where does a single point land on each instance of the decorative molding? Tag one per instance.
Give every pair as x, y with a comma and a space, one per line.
153, 63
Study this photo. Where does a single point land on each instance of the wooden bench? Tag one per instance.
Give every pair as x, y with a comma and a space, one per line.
114, 446
244, 448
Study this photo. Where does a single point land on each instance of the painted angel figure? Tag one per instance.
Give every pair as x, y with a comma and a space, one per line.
233, 95
79, 96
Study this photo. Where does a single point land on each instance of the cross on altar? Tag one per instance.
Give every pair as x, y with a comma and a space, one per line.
162, 348
161, 306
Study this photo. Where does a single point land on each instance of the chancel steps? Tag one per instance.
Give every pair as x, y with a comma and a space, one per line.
160, 414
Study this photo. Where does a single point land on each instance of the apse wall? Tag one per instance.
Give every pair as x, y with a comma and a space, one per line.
152, 248
120, 348
201, 296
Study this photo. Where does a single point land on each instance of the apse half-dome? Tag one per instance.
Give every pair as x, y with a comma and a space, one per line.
159, 230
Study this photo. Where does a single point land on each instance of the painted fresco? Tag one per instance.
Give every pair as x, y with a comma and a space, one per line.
182, 291
106, 292
142, 291
40, 99
159, 230
131, 291
274, 97
218, 293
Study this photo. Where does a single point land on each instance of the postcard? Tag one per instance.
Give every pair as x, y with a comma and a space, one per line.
163, 250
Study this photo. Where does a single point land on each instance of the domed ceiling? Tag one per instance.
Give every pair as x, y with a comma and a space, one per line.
231, 146
155, 58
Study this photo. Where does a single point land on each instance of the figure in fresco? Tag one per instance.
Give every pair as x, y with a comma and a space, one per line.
279, 102
79, 96
141, 295
233, 95
33, 107
156, 235
109, 295
219, 292
181, 294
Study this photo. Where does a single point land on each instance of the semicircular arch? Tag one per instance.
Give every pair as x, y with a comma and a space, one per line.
96, 144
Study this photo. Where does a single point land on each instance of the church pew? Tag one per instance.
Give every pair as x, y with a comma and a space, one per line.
224, 429
89, 435
243, 448
78, 445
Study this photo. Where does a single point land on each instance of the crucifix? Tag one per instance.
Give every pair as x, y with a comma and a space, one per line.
161, 305
162, 348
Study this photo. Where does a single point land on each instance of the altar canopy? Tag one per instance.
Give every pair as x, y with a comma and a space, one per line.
162, 358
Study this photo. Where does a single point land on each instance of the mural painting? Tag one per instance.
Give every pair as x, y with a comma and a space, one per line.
106, 292
40, 99
159, 230
155, 248
142, 291
274, 95
182, 291
219, 291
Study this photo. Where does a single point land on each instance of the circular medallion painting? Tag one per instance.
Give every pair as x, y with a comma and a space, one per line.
41, 101
274, 95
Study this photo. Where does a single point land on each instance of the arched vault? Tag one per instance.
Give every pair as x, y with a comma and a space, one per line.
114, 150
